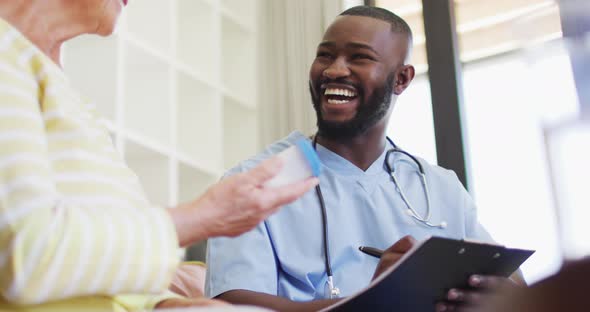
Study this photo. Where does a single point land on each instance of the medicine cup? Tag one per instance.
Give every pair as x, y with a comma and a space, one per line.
300, 162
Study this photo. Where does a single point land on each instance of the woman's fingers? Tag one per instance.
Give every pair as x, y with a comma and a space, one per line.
265, 171
279, 196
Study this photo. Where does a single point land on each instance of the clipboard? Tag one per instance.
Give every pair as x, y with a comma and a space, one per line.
422, 277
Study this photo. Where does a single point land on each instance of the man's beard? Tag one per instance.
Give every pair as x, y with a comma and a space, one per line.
367, 115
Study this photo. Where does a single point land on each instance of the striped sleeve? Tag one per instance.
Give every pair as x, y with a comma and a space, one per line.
52, 248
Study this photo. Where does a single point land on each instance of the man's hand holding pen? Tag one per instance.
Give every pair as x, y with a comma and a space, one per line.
392, 254
456, 299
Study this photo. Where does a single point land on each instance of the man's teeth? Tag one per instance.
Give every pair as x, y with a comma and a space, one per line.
332, 101
342, 95
341, 92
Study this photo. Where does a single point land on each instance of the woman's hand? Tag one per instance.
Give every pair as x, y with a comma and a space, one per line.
236, 204
189, 280
189, 302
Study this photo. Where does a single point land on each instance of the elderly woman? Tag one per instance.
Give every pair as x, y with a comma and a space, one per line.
76, 231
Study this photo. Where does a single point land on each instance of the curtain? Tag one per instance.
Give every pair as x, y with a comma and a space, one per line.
290, 31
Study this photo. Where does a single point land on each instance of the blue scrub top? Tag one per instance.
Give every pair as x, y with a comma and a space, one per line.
284, 255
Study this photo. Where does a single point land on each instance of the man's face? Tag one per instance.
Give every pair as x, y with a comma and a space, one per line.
353, 76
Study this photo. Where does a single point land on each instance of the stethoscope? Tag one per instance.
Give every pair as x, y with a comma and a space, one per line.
331, 290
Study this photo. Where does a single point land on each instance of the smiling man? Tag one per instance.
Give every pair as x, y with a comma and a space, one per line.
360, 69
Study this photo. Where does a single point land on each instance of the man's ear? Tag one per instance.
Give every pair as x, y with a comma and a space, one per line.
403, 78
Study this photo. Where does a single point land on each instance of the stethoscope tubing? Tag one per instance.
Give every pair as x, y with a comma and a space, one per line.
334, 291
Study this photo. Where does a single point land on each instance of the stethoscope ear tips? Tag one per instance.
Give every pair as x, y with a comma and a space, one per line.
443, 225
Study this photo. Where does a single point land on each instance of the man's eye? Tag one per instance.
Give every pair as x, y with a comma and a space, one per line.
362, 57
324, 54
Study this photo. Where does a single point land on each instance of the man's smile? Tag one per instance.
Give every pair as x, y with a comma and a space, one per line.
339, 99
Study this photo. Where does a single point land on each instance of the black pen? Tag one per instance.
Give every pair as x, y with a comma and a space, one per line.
371, 251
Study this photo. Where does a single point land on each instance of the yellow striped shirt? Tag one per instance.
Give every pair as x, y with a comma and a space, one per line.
75, 225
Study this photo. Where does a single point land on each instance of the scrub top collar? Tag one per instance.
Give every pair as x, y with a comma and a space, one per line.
342, 167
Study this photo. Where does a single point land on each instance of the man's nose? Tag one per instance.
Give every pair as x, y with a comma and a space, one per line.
338, 69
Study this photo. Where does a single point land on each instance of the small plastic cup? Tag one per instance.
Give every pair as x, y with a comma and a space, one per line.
300, 162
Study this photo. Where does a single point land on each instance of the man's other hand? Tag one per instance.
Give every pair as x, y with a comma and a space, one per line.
482, 287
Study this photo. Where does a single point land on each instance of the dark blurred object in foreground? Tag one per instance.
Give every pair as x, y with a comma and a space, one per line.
567, 290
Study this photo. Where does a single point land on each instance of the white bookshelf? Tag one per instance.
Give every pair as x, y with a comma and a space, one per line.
177, 86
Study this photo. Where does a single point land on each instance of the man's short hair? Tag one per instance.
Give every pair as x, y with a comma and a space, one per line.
398, 25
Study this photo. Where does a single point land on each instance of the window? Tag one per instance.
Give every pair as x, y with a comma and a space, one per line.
517, 79
488, 28
411, 124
